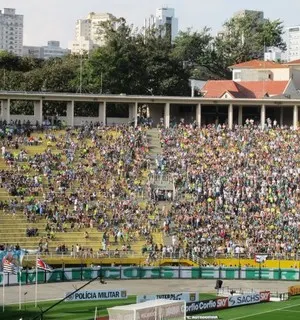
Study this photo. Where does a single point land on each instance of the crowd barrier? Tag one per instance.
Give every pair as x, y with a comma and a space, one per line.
122, 272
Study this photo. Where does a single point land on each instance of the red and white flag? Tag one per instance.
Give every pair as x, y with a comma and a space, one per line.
260, 258
40, 264
8, 266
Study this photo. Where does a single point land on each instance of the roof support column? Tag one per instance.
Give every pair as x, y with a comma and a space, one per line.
133, 108
281, 117
5, 110
240, 116
230, 116
70, 113
167, 115
135, 114
102, 113
262, 116
148, 112
295, 117
198, 115
38, 111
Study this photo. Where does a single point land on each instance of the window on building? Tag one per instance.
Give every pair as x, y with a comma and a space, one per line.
237, 75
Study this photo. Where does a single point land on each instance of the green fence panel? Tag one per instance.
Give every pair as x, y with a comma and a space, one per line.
289, 274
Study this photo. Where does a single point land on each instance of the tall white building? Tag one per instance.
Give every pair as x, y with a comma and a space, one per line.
88, 33
243, 13
293, 43
273, 54
52, 50
11, 31
165, 20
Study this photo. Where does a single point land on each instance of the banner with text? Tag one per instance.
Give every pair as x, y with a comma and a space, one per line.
97, 295
124, 272
186, 296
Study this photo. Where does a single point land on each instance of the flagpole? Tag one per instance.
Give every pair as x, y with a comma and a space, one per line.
36, 281
3, 291
95, 317
20, 289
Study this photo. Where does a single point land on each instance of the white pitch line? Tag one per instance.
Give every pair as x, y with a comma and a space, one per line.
269, 311
291, 311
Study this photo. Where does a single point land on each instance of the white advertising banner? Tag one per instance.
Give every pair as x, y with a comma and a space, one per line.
97, 295
250, 298
186, 296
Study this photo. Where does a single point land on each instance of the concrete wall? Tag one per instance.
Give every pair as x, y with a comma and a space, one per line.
156, 112
22, 117
277, 74
295, 73
281, 74
77, 120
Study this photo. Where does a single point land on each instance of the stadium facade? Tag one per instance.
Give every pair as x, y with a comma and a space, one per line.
161, 109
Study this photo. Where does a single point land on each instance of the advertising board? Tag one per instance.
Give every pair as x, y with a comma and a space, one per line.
265, 296
249, 298
234, 301
97, 295
206, 305
294, 290
186, 296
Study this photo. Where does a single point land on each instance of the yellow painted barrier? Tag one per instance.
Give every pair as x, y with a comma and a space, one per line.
233, 262
141, 261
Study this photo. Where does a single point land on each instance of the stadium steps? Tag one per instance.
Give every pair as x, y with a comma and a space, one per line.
13, 230
13, 227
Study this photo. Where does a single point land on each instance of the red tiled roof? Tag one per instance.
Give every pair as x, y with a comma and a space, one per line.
258, 89
293, 62
258, 64
243, 89
216, 88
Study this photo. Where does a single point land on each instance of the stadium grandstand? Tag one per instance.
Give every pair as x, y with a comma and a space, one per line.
146, 196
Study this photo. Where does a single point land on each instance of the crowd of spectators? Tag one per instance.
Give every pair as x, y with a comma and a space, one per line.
236, 192
89, 177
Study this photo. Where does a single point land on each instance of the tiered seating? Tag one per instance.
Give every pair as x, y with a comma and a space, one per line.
13, 226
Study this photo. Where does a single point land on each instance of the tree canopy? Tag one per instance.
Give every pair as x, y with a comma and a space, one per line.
136, 61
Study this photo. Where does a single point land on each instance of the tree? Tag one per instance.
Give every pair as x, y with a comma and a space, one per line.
245, 38
194, 49
134, 62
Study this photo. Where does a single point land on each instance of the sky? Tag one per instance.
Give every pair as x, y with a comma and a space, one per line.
46, 20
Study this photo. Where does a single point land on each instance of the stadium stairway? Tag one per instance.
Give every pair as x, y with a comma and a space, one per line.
154, 143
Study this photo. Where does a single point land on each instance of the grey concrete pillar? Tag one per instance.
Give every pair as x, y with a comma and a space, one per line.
148, 112
102, 112
135, 114
167, 115
230, 117
70, 113
38, 111
295, 117
263, 116
5, 110
198, 115
133, 108
240, 116
130, 112
281, 117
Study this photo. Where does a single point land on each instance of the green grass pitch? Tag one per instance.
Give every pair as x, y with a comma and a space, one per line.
287, 310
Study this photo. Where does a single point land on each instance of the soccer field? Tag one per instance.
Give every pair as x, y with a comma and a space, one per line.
287, 310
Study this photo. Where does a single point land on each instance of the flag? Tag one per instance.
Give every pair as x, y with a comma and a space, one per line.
14, 256
8, 267
259, 258
40, 264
